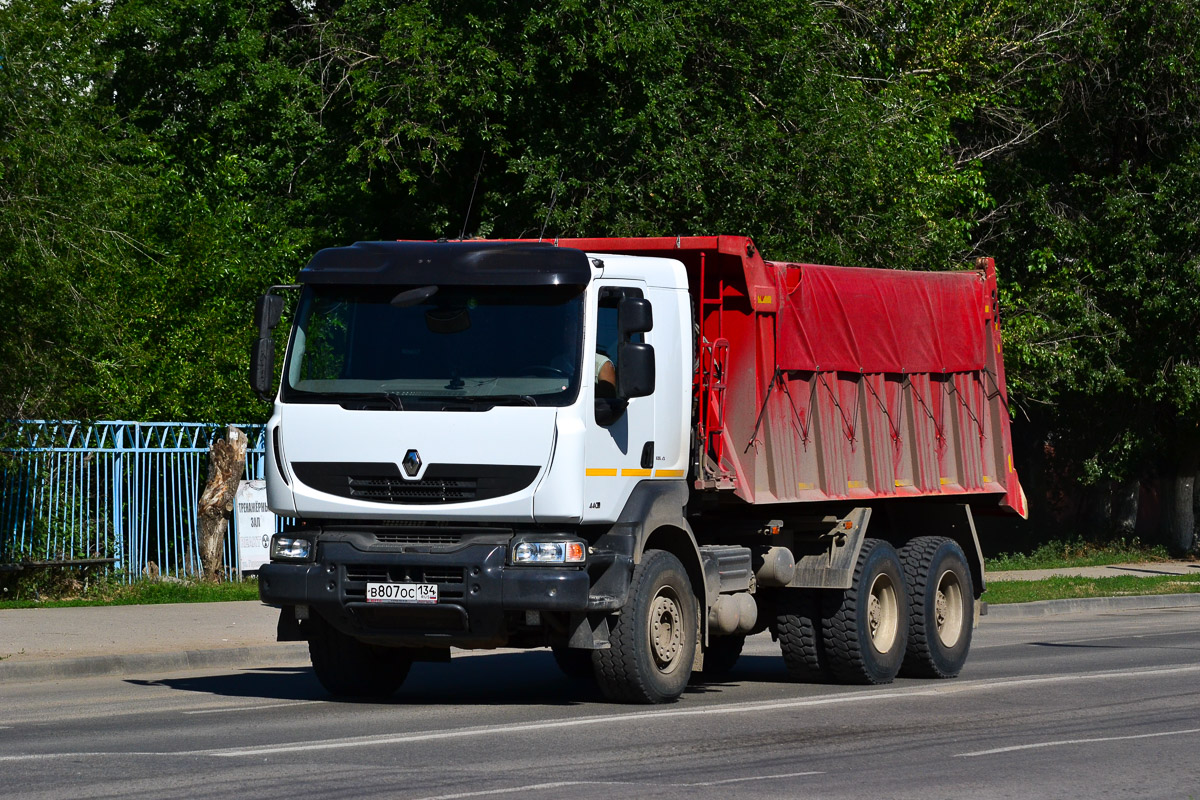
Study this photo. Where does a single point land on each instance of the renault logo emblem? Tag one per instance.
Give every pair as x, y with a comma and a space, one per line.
411, 463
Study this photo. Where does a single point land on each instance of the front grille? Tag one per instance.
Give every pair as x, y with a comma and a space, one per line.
381, 489
417, 537
408, 573
441, 483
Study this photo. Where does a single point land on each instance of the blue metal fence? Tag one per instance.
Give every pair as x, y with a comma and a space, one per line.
116, 493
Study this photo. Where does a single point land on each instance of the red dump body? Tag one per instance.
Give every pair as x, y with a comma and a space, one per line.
820, 383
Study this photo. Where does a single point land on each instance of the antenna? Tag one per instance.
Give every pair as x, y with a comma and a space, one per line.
553, 200
471, 202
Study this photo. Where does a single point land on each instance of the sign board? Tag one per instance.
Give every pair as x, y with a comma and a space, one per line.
255, 525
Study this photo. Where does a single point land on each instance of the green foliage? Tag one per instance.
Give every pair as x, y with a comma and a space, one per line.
162, 162
66, 586
1058, 553
1069, 588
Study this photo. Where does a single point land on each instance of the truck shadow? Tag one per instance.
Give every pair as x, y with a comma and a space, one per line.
495, 679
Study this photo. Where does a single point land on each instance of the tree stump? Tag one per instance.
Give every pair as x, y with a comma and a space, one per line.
226, 463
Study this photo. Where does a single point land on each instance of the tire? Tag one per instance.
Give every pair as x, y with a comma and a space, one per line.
722, 653
347, 667
941, 607
798, 628
864, 629
653, 643
575, 664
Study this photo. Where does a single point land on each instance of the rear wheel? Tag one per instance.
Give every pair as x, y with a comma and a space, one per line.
347, 667
798, 627
941, 607
865, 627
653, 643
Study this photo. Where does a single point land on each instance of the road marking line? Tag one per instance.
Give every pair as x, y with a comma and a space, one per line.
250, 708
754, 778
533, 787
458, 733
51, 756
1063, 742
732, 708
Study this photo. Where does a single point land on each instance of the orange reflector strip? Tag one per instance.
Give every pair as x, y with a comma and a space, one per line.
669, 473
637, 473
600, 473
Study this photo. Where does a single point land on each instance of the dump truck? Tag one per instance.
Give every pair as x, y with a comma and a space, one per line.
636, 452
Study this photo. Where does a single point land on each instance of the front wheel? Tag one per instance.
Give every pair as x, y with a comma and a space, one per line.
347, 667
653, 643
941, 607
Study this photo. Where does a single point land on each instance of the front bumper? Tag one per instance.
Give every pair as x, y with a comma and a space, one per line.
477, 591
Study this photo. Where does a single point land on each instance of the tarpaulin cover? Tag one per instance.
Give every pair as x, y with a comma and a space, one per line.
878, 320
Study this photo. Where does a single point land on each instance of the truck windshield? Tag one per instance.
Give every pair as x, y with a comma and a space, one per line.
481, 345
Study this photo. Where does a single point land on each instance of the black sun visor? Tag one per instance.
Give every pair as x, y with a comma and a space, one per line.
467, 263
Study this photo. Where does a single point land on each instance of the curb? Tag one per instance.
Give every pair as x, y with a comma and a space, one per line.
97, 666
1083, 605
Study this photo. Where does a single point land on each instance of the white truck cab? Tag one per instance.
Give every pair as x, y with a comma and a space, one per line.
454, 461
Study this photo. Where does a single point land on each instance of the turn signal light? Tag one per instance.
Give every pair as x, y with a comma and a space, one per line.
549, 553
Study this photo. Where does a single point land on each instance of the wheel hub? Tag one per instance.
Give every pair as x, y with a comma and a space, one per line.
883, 613
666, 631
949, 618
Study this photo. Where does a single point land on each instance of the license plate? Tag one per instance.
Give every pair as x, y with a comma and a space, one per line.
402, 593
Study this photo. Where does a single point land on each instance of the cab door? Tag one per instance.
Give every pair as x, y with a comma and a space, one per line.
620, 427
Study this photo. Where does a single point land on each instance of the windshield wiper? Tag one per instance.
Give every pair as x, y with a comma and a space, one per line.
510, 399
467, 403
361, 400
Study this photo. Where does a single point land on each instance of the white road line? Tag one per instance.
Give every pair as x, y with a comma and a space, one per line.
460, 733
250, 708
533, 787
757, 707
755, 778
1065, 742
732, 708
52, 756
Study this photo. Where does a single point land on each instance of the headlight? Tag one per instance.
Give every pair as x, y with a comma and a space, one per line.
549, 553
290, 548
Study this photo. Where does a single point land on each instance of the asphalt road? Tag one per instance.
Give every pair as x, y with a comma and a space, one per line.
1099, 705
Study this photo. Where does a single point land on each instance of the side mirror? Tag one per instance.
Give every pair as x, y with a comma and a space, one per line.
267, 313
634, 315
262, 367
635, 377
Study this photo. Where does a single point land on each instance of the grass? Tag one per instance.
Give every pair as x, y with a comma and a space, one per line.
143, 592
1069, 588
1079, 553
